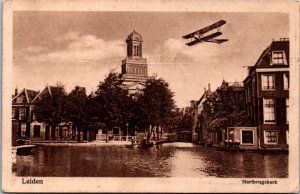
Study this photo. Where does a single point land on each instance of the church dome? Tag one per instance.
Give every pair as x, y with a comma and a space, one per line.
134, 36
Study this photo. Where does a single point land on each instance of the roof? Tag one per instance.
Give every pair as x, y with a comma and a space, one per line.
264, 61
134, 36
48, 90
29, 94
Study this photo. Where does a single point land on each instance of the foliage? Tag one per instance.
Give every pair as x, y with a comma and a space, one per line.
112, 102
228, 111
156, 103
76, 104
187, 120
50, 107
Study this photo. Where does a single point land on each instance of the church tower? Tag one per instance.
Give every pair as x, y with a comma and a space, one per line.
134, 67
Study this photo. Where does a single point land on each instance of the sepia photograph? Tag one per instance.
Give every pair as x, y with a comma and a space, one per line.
131, 94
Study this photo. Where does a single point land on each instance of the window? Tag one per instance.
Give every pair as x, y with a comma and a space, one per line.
278, 58
135, 51
253, 87
287, 110
21, 113
13, 113
20, 99
270, 137
23, 129
286, 81
269, 110
247, 137
268, 82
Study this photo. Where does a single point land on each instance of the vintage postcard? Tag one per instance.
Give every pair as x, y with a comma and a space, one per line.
150, 96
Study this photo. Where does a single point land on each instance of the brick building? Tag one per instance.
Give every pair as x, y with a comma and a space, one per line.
22, 114
267, 95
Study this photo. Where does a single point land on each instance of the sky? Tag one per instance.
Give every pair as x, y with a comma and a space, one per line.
80, 48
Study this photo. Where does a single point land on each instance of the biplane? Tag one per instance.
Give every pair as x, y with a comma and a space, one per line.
207, 34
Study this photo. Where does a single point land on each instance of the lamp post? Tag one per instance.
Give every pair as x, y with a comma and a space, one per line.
127, 124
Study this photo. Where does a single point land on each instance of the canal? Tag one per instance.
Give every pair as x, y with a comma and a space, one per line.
169, 160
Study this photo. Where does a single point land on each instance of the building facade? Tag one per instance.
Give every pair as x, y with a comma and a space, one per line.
22, 115
134, 67
267, 95
25, 124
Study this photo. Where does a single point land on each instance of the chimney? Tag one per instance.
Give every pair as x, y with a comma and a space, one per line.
193, 103
208, 90
16, 91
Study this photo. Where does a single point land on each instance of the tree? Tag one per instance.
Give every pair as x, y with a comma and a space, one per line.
156, 104
112, 102
76, 104
50, 107
187, 121
228, 111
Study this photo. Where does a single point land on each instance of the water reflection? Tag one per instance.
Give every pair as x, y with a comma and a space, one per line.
176, 160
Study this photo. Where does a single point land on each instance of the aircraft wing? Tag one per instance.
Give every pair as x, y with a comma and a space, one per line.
205, 38
206, 29
219, 41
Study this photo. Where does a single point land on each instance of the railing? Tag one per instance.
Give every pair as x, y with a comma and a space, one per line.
122, 138
102, 137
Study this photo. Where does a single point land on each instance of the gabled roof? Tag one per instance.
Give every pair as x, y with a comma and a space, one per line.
48, 90
29, 95
264, 59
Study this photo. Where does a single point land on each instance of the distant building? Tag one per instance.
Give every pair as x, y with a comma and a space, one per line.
24, 123
185, 129
134, 67
22, 116
267, 95
232, 91
42, 130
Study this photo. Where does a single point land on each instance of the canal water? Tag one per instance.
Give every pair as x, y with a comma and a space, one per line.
169, 160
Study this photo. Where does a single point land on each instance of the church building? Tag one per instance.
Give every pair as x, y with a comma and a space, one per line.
134, 67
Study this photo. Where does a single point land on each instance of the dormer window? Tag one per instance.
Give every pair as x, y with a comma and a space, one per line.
20, 99
278, 58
